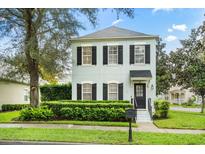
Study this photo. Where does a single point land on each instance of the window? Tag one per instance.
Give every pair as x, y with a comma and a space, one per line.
87, 91
113, 55
139, 91
113, 91
87, 55
139, 54
26, 95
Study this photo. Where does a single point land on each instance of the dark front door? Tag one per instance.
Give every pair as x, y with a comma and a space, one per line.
140, 95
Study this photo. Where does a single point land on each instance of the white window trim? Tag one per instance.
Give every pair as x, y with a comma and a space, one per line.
109, 90
108, 55
82, 90
82, 56
141, 54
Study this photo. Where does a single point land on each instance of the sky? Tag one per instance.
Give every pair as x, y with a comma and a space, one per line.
172, 25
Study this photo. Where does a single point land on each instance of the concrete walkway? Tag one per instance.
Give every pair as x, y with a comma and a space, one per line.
180, 108
143, 127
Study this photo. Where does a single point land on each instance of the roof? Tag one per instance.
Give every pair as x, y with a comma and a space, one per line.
12, 81
114, 32
140, 73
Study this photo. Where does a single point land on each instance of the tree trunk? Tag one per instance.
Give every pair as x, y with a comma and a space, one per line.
202, 105
32, 53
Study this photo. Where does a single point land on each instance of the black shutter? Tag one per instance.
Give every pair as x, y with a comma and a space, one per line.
120, 91
132, 54
79, 92
79, 55
94, 55
105, 91
105, 48
147, 54
120, 54
94, 91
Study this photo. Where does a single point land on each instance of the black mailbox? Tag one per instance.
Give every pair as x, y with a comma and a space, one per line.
131, 113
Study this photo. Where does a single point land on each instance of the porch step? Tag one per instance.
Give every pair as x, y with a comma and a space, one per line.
143, 116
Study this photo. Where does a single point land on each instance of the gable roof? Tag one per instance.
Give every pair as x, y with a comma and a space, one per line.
114, 32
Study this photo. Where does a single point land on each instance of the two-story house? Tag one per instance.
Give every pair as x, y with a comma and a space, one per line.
114, 64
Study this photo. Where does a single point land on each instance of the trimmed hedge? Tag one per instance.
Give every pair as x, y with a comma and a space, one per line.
161, 108
13, 107
93, 114
57, 106
41, 113
90, 101
51, 92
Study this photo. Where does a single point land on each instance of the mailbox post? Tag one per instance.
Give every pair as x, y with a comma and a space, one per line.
130, 114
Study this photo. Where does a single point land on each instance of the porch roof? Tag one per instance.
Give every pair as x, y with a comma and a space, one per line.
140, 74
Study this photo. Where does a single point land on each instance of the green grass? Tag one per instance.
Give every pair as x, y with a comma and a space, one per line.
97, 136
185, 106
182, 120
8, 117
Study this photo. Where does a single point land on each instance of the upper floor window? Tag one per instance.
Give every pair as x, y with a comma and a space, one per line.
113, 91
87, 91
87, 55
139, 52
113, 55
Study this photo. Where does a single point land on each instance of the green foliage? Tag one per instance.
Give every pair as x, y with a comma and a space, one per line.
93, 114
57, 106
161, 108
164, 77
41, 113
13, 107
91, 101
50, 92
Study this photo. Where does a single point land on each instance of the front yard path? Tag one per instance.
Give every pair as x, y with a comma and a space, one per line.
143, 127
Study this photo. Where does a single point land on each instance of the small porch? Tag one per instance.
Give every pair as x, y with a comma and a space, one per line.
141, 90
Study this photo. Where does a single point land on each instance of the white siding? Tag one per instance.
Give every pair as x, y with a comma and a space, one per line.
12, 93
104, 73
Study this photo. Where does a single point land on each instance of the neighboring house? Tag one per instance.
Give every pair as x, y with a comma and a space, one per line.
115, 64
178, 95
13, 92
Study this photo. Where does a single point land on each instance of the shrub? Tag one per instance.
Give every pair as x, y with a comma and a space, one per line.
13, 107
57, 106
93, 101
51, 92
93, 114
41, 113
161, 108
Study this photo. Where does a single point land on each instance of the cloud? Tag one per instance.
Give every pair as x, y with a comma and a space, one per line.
116, 22
170, 30
181, 27
161, 9
171, 38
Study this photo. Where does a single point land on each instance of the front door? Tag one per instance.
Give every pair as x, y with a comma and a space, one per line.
140, 95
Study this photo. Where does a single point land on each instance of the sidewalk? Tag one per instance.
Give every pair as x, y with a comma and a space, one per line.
180, 108
142, 127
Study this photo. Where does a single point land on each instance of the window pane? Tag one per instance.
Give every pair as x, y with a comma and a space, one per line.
87, 91
113, 91
87, 55
139, 54
113, 55
139, 91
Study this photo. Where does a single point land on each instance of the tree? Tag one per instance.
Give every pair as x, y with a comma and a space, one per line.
40, 39
188, 63
163, 72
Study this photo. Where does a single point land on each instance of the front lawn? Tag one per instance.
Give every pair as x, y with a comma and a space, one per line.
97, 136
8, 117
186, 106
182, 120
